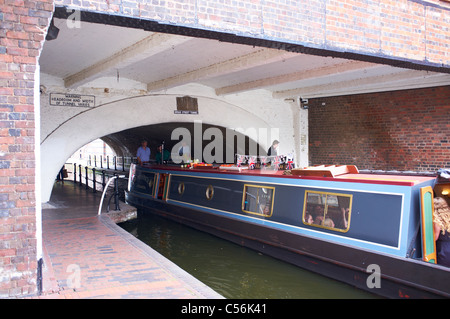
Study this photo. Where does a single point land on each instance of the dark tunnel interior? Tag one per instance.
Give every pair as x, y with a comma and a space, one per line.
126, 143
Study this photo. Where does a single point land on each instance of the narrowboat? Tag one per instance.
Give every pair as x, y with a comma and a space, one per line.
372, 231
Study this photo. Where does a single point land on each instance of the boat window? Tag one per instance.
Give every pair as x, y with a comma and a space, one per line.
327, 210
258, 200
143, 183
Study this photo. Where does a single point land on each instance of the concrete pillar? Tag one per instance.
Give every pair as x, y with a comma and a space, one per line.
300, 132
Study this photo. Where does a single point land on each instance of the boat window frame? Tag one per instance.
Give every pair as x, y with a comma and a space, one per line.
259, 187
153, 183
326, 206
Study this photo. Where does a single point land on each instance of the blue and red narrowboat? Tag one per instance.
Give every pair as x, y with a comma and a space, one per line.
372, 231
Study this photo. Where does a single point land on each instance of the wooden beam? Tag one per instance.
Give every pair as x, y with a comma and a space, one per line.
295, 76
396, 80
247, 61
155, 43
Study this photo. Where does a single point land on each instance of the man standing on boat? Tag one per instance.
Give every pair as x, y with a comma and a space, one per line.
143, 153
162, 155
273, 150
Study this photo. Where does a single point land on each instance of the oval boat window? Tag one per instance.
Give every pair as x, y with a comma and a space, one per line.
209, 192
181, 188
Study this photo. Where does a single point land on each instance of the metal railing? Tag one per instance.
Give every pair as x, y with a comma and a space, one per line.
111, 162
115, 178
97, 179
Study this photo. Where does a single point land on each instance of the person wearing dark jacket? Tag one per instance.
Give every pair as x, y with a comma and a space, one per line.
273, 150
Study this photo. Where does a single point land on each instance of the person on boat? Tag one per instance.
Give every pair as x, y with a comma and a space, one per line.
143, 153
185, 152
328, 222
308, 218
342, 218
441, 223
318, 211
165, 157
318, 220
273, 150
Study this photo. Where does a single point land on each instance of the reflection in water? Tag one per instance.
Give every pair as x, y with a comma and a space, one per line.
231, 270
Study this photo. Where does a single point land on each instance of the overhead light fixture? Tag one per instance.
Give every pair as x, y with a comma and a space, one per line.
52, 33
303, 103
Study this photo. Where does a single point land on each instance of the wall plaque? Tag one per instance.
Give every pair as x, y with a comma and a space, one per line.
186, 105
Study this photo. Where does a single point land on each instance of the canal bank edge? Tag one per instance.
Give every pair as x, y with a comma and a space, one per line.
197, 287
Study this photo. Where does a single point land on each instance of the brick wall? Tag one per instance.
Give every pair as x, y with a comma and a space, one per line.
399, 130
22, 26
402, 29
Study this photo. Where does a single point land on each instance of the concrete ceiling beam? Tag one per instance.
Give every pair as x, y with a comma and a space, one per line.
258, 58
396, 80
151, 45
295, 76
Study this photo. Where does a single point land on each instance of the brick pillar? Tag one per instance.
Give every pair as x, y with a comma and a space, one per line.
23, 27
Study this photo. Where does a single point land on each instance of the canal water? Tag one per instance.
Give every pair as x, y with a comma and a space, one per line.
230, 269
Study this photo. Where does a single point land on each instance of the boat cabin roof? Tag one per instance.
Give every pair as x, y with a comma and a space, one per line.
347, 173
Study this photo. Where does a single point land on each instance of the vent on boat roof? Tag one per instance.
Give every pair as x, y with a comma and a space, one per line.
325, 170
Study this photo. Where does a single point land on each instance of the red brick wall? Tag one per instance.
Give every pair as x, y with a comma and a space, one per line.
22, 26
401, 29
399, 130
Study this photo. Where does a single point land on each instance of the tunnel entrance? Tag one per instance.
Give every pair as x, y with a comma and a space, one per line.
214, 143
113, 153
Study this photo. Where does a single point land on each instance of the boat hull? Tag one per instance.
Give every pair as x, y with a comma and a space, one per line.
378, 273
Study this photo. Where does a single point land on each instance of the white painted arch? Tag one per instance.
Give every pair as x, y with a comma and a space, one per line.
77, 130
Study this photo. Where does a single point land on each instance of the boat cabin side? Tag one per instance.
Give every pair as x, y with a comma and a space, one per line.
380, 215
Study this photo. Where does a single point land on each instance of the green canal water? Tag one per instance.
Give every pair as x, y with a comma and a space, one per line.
232, 270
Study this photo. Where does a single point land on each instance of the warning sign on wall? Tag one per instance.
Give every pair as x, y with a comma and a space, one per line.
62, 99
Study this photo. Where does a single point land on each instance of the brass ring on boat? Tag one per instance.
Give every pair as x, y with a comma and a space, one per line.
209, 192
181, 188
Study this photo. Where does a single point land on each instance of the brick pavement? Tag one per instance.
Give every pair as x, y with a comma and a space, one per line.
92, 257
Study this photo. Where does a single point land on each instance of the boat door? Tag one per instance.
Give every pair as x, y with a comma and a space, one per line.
426, 212
163, 186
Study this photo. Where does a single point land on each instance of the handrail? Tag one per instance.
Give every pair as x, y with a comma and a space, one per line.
94, 173
91, 160
81, 172
104, 191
